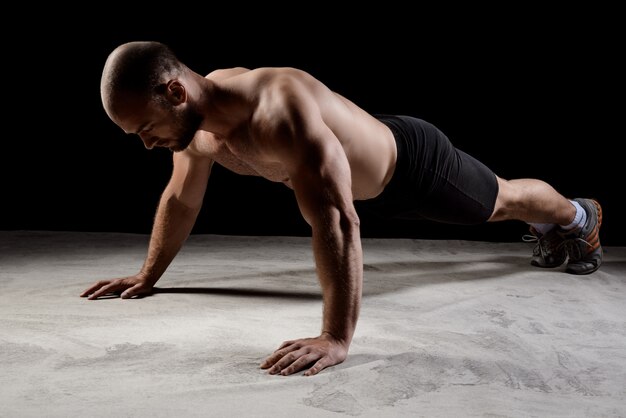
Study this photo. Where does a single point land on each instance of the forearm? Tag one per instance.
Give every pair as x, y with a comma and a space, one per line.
172, 225
339, 260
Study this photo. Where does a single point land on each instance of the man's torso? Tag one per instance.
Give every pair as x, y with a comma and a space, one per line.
368, 144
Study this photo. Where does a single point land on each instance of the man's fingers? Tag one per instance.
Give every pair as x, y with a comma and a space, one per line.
271, 360
297, 355
286, 360
276, 356
109, 288
320, 365
299, 364
94, 287
128, 287
129, 293
285, 344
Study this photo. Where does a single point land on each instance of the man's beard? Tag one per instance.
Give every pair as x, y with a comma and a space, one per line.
189, 121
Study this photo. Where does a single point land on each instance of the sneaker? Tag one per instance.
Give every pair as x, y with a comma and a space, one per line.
583, 244
549, 251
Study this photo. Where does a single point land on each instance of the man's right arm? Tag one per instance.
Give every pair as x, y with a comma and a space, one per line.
176, 214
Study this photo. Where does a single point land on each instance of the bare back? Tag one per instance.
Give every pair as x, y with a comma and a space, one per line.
368, 144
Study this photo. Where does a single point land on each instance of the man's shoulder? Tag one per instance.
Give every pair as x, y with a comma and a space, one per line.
263, 74
224, 73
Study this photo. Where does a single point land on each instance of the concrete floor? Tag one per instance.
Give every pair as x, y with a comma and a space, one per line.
447, 328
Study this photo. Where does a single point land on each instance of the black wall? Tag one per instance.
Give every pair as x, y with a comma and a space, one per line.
539, 98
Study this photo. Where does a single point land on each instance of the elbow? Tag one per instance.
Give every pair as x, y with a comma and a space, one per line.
172, 200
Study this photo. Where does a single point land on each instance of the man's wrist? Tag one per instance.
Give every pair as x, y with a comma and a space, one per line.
148, 278
345, 341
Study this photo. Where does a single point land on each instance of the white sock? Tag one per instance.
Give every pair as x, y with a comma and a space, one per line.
542, 228
579, 219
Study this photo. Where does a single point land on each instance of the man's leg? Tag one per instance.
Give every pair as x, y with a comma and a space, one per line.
536, 202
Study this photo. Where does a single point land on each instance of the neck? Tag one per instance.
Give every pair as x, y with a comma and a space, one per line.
219, 106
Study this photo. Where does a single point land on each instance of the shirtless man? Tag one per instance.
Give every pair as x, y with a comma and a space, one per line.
286, 126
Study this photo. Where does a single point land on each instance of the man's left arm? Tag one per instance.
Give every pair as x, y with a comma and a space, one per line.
321, 178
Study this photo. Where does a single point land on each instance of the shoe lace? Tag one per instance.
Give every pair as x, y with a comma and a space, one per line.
575, 246
530, 238
539, 249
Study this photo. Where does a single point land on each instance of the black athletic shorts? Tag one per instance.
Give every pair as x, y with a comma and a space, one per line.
433, 180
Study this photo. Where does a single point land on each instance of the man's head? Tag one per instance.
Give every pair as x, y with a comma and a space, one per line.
144, 91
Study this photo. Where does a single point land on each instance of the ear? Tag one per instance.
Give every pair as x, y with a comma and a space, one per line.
175, 92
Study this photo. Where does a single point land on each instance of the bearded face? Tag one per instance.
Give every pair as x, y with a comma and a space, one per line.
185, 123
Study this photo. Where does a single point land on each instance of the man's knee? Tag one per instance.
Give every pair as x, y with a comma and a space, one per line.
508, 201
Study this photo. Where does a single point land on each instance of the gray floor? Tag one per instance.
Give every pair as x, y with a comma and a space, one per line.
447, 328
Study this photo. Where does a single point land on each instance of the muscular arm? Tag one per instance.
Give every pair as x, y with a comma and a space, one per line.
323, 191
176, 214
321, 178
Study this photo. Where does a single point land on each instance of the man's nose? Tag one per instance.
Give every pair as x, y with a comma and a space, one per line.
148, 141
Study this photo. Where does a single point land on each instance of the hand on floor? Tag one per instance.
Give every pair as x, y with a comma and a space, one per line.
126, 286
292, 356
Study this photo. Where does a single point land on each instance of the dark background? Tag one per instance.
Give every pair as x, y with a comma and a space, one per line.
537, 96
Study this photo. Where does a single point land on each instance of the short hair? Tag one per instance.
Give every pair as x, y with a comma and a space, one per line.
138, 67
